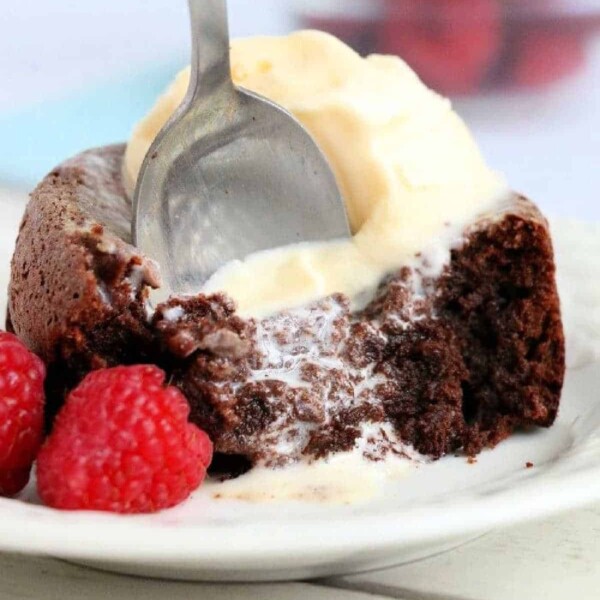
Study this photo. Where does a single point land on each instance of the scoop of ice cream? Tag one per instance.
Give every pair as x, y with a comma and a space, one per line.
409, 170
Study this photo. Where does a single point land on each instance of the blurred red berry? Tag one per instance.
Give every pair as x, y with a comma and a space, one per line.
451, 44
543, 56
22, 376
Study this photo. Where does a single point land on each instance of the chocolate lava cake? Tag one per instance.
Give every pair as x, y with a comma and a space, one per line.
452, 363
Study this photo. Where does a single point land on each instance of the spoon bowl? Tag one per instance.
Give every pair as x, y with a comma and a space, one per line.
232, 173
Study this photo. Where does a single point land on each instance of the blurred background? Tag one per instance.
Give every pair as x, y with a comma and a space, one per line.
525, 74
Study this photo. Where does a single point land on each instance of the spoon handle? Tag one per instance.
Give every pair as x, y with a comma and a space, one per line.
211, 69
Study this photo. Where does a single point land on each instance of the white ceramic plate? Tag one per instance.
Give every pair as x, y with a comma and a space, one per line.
432, 508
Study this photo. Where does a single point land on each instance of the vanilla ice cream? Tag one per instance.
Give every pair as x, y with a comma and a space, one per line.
411, 175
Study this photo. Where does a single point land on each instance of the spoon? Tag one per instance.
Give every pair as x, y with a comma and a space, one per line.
231, 173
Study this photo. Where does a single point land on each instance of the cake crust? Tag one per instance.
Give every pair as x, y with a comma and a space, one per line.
455, 362
78, 287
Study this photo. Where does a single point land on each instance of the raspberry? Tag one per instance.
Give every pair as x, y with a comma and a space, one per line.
13, 481
22, 376
451, 44
122, 443
544, 55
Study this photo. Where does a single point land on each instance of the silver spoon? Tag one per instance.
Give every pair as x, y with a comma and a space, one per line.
230, 174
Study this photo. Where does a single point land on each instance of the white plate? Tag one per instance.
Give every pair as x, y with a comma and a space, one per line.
432, 508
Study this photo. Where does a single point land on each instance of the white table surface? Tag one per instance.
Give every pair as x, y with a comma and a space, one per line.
556, 559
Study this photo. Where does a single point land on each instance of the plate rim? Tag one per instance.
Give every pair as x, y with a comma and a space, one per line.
28, 528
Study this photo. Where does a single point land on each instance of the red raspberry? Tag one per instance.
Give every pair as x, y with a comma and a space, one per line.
122, 443
543, 56
22, 376
451, 44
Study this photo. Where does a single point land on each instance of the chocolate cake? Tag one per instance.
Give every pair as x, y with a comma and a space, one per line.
432, 364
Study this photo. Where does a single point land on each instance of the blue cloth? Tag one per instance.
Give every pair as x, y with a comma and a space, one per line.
35, 139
